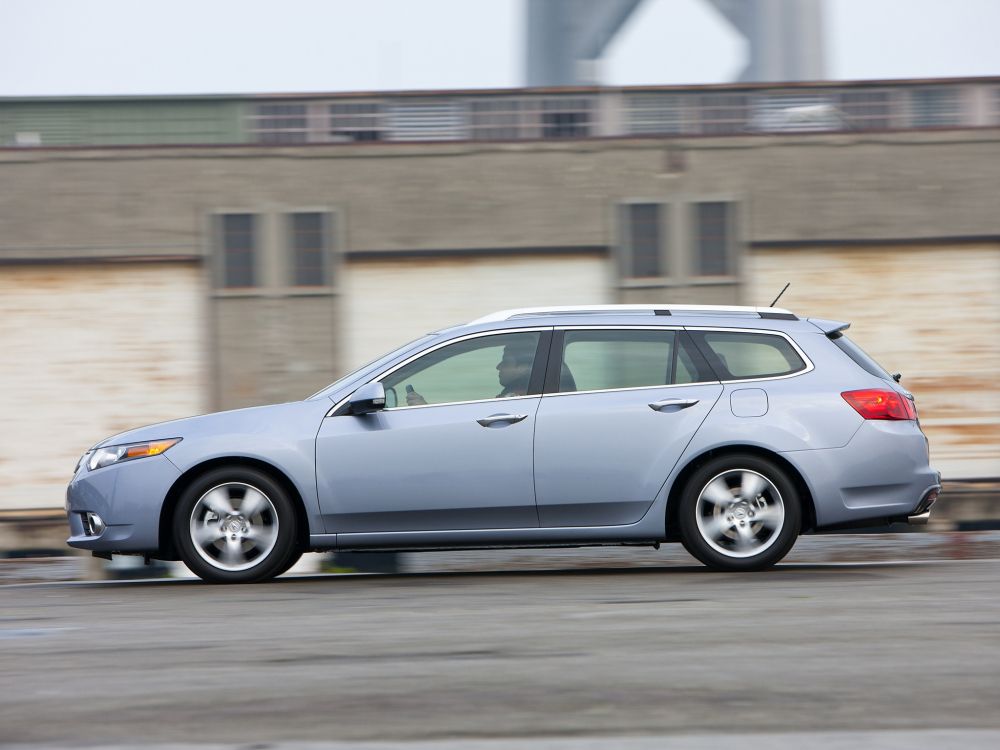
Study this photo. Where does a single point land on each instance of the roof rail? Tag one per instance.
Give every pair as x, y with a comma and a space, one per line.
664, 309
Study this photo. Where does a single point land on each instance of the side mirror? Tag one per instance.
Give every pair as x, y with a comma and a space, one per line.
368, 398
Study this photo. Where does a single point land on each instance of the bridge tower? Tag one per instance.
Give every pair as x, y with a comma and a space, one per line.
567, 38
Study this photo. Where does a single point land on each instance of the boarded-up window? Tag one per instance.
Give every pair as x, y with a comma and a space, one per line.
237, 248
713, 239
310, 249
643, 240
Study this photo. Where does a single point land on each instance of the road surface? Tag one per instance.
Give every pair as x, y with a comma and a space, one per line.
610, 657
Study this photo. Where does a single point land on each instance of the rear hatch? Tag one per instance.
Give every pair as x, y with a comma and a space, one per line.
834, 330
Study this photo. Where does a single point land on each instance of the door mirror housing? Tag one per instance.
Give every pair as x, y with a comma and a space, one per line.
368, 398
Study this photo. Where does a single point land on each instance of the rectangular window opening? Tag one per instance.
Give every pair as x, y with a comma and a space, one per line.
713, 239
644, 232
310, 246
237, 243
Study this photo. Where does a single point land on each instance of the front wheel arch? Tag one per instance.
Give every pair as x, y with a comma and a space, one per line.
167, 549
672, 520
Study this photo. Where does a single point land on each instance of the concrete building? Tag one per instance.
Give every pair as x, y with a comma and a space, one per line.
164, 257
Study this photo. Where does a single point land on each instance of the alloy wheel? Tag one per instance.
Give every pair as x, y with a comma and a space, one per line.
234, 526
740, 513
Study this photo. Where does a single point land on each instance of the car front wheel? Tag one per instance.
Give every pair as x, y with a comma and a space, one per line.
739, 512
235, 525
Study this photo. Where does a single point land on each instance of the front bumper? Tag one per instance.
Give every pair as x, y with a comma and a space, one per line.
128, 498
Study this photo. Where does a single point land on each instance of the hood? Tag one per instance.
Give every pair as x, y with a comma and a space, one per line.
181, 428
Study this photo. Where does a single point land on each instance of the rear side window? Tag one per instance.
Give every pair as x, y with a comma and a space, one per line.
859, 356
741, 356
596, 360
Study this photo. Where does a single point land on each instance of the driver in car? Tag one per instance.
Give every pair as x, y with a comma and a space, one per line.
513, 372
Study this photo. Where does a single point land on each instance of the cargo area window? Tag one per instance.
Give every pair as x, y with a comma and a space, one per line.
738, 356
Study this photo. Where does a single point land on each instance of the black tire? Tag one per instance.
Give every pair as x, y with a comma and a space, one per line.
744, 533
296, 556
249, 547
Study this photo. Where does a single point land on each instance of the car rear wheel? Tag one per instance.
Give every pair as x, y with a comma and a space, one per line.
235, 525
739, 512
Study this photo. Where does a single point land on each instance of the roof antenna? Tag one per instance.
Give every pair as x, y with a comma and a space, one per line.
779, 294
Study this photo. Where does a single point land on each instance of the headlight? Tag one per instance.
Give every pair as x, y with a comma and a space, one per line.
117, 453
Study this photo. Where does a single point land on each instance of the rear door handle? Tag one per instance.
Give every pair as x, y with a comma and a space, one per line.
495, 418
679, 403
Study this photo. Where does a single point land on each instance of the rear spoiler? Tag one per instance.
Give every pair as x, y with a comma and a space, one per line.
829, 327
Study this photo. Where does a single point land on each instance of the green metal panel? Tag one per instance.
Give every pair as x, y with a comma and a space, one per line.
121, 122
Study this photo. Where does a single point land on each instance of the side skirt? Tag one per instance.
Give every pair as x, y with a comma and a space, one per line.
634, 535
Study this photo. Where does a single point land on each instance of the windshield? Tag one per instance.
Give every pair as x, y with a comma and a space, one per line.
374, 365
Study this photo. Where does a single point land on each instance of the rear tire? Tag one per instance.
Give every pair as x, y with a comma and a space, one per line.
236, 525
739, 512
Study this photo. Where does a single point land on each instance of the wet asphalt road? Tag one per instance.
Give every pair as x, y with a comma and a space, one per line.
567, 654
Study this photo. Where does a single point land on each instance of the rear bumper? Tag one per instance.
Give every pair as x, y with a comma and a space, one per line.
922, 513
882, 475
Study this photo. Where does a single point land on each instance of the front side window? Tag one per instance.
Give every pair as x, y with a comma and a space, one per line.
738, 355
476, 369
596, 360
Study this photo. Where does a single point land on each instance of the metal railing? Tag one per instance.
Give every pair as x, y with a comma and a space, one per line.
527, 115
506, 115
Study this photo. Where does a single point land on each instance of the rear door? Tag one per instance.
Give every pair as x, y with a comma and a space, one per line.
620, 406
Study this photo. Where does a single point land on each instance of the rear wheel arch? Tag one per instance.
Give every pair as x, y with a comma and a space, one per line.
167, 550
681, 480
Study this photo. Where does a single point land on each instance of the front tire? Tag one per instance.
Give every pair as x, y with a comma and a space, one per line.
235, 525
739, 512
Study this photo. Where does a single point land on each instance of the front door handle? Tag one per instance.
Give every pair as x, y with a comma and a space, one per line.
495, 418
679, 403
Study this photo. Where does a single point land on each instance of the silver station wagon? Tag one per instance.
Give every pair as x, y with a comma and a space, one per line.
731, 430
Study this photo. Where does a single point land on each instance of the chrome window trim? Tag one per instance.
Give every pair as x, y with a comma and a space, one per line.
609, 326
461, 403
434, 348
768, 332
633, 388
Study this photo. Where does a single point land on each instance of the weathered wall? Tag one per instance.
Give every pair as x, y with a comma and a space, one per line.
271, 349
822, 197
88, 351
387, 303
931, 313
396, 197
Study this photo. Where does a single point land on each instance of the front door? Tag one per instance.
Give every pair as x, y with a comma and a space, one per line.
620, 407
452, 450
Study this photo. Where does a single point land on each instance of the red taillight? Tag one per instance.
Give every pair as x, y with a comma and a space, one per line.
875, 403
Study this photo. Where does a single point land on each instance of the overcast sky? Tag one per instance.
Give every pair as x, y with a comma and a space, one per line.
71, 47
